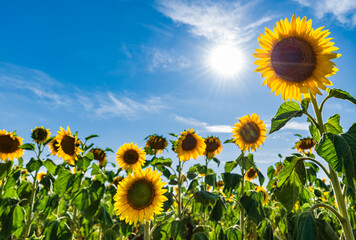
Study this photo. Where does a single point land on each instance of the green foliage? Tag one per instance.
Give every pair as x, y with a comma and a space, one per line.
286, 112
252, 203
338, 93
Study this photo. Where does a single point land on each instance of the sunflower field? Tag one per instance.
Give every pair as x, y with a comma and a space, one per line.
149, 196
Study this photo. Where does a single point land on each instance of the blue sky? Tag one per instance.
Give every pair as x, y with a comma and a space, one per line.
128, 69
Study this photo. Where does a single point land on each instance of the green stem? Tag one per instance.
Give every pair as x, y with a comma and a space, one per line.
242, 210
340, 200
330, 208
32, 201
180, 190
146, 233
317, 162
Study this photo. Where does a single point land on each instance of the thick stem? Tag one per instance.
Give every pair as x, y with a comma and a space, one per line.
32, 201
146, 231
316, 162
340, 200
330, 208
242, 210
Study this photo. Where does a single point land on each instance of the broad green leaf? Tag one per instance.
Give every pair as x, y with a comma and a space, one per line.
233, 234
89, 156
340, 152
338, 93
178, 230
231, 181
18, 216
50, 165
91, 136
251, 202
205, 197
211, 179
286, 112
268, 233
28, 146
33, 165
246, 162
305, 105
333, 125
314, 131
261, 178
200, 236
60, 184
271, 172
5, 169
95, 169
161, 161
229, 166
324, 230
24, 190
83, 163
217, 211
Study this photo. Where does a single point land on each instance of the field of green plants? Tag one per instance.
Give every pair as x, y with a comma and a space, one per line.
150, 196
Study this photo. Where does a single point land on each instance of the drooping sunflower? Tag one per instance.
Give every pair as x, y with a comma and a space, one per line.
295, 58
116, 181
305, 145
40, 134
250, 133
9, 146
130, 157
265, 195
140, 196
250, 174
213, 146
190, 145
220, 184
68, 146
156, 143
53, 147
99, 155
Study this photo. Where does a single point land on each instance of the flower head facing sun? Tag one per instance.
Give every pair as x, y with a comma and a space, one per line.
295, 58
9, 146
68, 146
140, 196
213, 146
250, 133
130, 157
40, 134
190, 145
156, 143
99, 155
305, 145
251, 174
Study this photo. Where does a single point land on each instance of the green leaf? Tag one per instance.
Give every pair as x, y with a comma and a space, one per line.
324, 230
229, 166
89, 156
314, 131
5, 169
251, 202
178, 230
261, 178
205, 197
91, 136
161, 161
50, 165
231, 140
338, 93
305, 105
60, 184
246, 162
333, 125
200, 236
33, 165
233, 234
268, 233
211, 179
217, 161
340, 152
231, 181
286, 112
18, 216
28, 146
217, 212
83, 163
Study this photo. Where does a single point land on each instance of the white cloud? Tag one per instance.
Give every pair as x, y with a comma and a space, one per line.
304, 126
159, 59
343, 10
215, 20
203, 126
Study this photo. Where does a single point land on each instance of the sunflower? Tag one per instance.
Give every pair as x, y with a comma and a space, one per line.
156, 143
53, 147
130, 157
116, 181
140, 196
305, 145
190, 145
99, 155
68, 146
295, 58
213, 146
220, 184
265, 195
251, 174
9, 146
40, 176
40, 134
250, 132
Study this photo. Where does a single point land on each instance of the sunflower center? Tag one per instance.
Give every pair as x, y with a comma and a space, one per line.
158, 144
68, 145
8, 145
131, 156
307, 143
98, 154
250, 132
54, 145
39, 134
141, 194
293, 59
211, 146
189, 143
251, 173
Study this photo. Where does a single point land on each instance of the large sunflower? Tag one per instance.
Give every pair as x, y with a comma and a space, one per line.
250, 132
68, 146
9, 146
156, 143
305, 145
99, 155
295, 58
130, 157
190, 145
40, 134
213, 146
140, 196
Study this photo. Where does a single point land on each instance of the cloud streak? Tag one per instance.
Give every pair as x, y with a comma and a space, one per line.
203, 126
215, 20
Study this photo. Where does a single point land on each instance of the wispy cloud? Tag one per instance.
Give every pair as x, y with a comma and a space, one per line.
159, 59
343, 10
203, 126
215, 20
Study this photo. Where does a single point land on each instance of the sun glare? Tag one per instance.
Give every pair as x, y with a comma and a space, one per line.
225, 60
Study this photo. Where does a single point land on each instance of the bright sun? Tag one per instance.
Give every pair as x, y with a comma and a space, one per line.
226, 60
